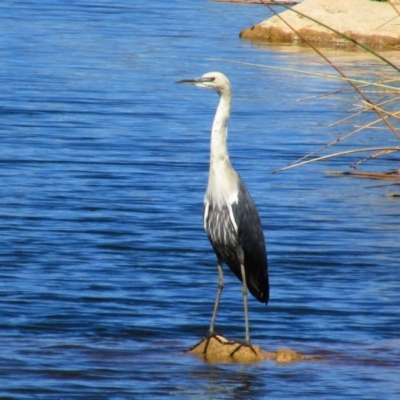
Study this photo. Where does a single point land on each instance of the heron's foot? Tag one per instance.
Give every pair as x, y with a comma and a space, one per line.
219, 338
240, 345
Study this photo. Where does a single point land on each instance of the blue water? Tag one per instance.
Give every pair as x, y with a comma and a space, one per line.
106, 275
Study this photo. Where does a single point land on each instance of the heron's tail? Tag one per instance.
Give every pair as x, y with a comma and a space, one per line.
259, 287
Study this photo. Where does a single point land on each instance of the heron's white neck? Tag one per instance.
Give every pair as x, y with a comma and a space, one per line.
219, 131
222, 180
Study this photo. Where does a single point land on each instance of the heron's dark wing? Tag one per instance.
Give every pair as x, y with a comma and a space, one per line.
252, 242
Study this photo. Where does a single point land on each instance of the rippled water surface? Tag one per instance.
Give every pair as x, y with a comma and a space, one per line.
106, 275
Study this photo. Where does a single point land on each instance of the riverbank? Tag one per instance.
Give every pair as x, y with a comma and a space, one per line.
374, 24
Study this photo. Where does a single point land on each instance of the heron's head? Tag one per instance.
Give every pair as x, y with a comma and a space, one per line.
211, 80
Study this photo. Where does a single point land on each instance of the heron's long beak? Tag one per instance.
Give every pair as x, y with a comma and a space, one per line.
197, 81
192, 80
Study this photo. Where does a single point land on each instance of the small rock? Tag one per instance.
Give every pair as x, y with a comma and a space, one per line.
220, 349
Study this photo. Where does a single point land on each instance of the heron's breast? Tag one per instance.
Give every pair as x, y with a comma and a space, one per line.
223, 187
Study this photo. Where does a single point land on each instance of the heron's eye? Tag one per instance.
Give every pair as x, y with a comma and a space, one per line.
212, 79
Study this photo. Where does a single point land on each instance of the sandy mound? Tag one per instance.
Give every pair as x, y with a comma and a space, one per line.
371, 23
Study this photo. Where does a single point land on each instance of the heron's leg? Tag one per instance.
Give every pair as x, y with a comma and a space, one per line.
216, 304
211, 332
246, 312
246, 316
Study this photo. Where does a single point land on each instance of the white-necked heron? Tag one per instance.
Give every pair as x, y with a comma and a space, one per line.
231, 218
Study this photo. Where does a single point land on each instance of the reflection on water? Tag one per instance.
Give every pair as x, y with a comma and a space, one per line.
106, 273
